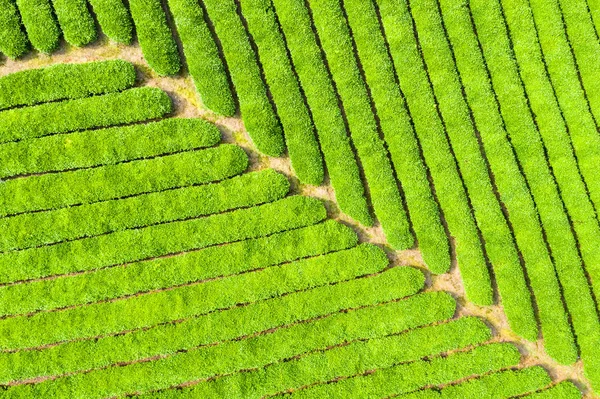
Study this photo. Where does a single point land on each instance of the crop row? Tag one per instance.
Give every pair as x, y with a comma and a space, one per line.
336, 42
436, 149
303, 148
399, 134
562, 390
132, 105
108, 146
243, 321
41, 27
406, 377
114, 19
133, 245
576, 290
256, 352
202, 56
573, 104
155, 37
496, 234
342, 361
504, 384
327, 117
511, 184
65, 81
84, 186
529, 148
257, 111
41, 228
144, 276
184, 301
13, 42
76, 22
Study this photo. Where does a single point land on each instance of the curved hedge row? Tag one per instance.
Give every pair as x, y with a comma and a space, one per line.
13, 42
114, 19
76, 22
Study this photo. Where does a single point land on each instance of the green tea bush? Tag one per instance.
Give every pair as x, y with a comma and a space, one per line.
13, 42
76, 22
42, 30
114, 19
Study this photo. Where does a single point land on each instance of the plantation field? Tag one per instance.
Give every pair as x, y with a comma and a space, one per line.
305, 198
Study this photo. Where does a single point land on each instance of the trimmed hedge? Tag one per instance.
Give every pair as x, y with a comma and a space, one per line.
511, 184
42, 29
152, 308
163, 239
399, 134
105, 146
184, 268
562, 390
202, 56
322, 100
448, 184
134, 105
76, 22
258, 114
278, 312
155, 37
13, 41
65, 81
85, 186
114, 19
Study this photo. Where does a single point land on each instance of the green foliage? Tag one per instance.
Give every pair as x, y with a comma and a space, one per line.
321, 97
155, 37
84, 186
383, 188
436, 149
203, 60
563, 390
528, 146
184, 301
76, 22
42, 228
511, 184
42, 29
342, 361
301, 142
496, 234
105, 146
212, 262
258, 114
114, 19
163, 239
239, 321
399, 134
571, 273
410, 376
13, 41
132, 105
65, 81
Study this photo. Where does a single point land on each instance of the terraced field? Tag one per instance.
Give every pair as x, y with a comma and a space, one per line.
306, 198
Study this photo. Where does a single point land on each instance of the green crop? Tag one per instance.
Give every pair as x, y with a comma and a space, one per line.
76, 22
155, 36
41, 228
258, 114
183, 268
529, 149
114, 19
86, 186
38, 19
132, 105
13, 41
436, 149
184, 301
240, 321
562, 390
336, 41
65, 81
163, 239
321, 98
203, 60
399, 134
105, 146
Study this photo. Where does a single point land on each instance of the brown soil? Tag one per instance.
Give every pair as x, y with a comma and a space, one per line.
187, 104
